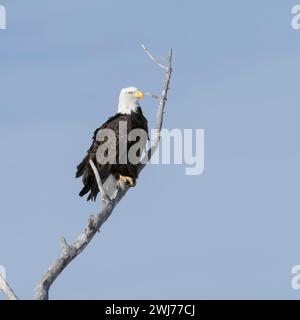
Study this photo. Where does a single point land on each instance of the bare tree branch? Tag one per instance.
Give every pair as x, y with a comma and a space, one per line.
161, 110
154, 96
155, 60
7, 290
70, 252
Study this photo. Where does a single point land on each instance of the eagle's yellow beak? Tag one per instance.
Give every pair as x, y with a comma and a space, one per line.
139, 95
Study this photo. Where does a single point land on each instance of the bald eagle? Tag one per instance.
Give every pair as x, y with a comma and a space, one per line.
115, 173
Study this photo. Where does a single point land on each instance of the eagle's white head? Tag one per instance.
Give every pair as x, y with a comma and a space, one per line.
129, 100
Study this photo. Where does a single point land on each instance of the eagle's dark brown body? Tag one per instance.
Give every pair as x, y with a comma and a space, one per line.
134, 120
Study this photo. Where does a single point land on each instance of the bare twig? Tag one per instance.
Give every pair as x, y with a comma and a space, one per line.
95, 223
160, 113
152, 57
64, 246
7, 290
154, 96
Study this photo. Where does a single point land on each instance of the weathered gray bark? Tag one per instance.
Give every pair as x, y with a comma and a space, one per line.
6, 289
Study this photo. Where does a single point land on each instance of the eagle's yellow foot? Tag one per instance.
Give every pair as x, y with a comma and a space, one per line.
127, 180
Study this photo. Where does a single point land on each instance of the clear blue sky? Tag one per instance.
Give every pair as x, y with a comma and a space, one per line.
232, 232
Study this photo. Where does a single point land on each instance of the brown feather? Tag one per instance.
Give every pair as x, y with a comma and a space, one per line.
135, 120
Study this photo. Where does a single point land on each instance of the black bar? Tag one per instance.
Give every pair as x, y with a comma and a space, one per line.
156, 309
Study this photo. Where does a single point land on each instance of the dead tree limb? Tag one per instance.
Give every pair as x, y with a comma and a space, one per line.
7, 290
70, 252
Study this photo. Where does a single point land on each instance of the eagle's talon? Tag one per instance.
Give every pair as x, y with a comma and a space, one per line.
131, 182
127, 180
